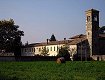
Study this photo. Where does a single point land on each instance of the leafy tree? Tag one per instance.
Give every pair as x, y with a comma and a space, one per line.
64, 52
52, 38
45, 51
10, 37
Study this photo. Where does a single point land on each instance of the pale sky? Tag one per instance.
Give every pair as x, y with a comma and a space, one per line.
39, 19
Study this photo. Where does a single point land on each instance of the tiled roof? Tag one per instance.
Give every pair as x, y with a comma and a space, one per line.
73, 41
78, 36
53, 43
77, 40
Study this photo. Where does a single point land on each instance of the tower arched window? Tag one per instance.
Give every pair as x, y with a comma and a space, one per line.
88, 18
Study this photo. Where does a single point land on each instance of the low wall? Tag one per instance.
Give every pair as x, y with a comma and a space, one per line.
43, 58
7, 58
36, 58
28, 58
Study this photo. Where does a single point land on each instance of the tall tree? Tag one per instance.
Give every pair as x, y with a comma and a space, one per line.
10, 36
52, 38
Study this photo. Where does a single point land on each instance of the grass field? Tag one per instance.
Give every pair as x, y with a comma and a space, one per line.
50, 70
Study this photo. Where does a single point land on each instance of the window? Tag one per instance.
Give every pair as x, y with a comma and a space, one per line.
61, 47
88, 33
39, 49
22, 50
29, 49
57, 48
54, 48
34, 49
25, 50
50, 48
88, 18
47, 48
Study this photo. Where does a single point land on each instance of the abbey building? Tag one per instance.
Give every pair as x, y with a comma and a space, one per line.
89, 45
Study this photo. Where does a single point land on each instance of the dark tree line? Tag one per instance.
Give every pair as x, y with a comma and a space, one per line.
10, 37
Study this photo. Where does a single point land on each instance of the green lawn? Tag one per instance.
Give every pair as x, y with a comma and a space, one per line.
50, 70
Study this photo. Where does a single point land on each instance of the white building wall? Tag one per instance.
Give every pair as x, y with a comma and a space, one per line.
73, 49
32, 51
53, 50
29, 51
38, 50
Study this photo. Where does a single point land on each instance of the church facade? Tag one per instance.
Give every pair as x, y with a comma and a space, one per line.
89, 45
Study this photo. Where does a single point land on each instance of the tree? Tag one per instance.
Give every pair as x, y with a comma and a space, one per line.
10, 37
52, 38
45, 51
64, 52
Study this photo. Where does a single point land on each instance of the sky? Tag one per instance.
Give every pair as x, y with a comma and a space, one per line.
39, 19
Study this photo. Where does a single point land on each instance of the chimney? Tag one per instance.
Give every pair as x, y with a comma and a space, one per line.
64, 38
47, 41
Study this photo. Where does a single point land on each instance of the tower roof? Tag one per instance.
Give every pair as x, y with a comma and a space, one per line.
92, 10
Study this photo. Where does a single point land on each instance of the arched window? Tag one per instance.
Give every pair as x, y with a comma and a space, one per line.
88, 18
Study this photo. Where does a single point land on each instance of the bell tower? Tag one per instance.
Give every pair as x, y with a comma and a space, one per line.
92, 30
